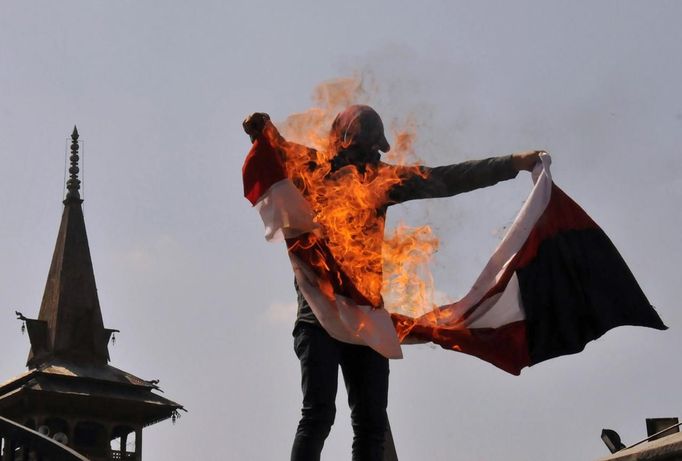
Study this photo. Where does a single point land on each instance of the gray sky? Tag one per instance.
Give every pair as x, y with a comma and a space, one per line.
158, 91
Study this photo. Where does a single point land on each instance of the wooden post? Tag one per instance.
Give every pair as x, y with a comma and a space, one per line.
138, 444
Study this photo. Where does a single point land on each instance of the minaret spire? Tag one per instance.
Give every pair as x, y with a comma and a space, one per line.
73, 184
69, 325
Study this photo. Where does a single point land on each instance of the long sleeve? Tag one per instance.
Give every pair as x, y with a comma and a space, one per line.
449, 180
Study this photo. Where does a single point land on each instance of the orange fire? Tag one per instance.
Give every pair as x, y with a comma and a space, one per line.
390, 270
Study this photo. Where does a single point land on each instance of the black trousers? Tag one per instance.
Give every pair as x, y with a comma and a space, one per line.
365, 373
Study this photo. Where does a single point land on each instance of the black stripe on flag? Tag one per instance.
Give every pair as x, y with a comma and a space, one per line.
576, 289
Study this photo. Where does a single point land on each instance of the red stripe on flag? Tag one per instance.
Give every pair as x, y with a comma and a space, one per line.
262, 168
505, 347
562, 214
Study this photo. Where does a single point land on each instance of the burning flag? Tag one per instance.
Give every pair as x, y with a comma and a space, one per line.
554, 283
339, 305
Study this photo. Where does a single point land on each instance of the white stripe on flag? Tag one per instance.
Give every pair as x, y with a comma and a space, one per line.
284, 211
512, 242
500, 309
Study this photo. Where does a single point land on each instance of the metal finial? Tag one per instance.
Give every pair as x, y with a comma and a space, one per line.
73, 184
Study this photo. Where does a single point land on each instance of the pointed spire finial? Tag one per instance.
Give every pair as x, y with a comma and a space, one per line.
73, 184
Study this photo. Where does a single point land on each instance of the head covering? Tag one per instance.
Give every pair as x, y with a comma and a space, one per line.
359, 126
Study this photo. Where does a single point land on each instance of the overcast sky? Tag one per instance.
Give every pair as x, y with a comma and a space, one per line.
158, 90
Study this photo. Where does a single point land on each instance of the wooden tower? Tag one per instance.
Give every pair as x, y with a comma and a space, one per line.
70, 392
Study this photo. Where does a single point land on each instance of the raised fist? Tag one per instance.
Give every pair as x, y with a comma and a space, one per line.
254, 124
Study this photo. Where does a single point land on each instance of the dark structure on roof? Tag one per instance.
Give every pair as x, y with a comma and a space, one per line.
70, 392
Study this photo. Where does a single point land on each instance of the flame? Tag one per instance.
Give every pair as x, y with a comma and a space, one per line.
408, 284
390, 271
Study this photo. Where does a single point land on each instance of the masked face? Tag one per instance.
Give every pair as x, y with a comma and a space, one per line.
359, 126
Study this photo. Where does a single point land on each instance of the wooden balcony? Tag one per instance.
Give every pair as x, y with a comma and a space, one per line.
20, 443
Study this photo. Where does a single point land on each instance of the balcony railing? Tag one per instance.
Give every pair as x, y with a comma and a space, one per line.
19, 443
116, 454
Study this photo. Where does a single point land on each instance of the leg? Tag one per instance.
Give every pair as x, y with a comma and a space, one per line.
365, 373
319, 355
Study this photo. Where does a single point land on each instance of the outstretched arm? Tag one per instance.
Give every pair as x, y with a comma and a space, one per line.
449, 180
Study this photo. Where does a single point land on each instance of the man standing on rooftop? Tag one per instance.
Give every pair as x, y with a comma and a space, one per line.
356, 142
